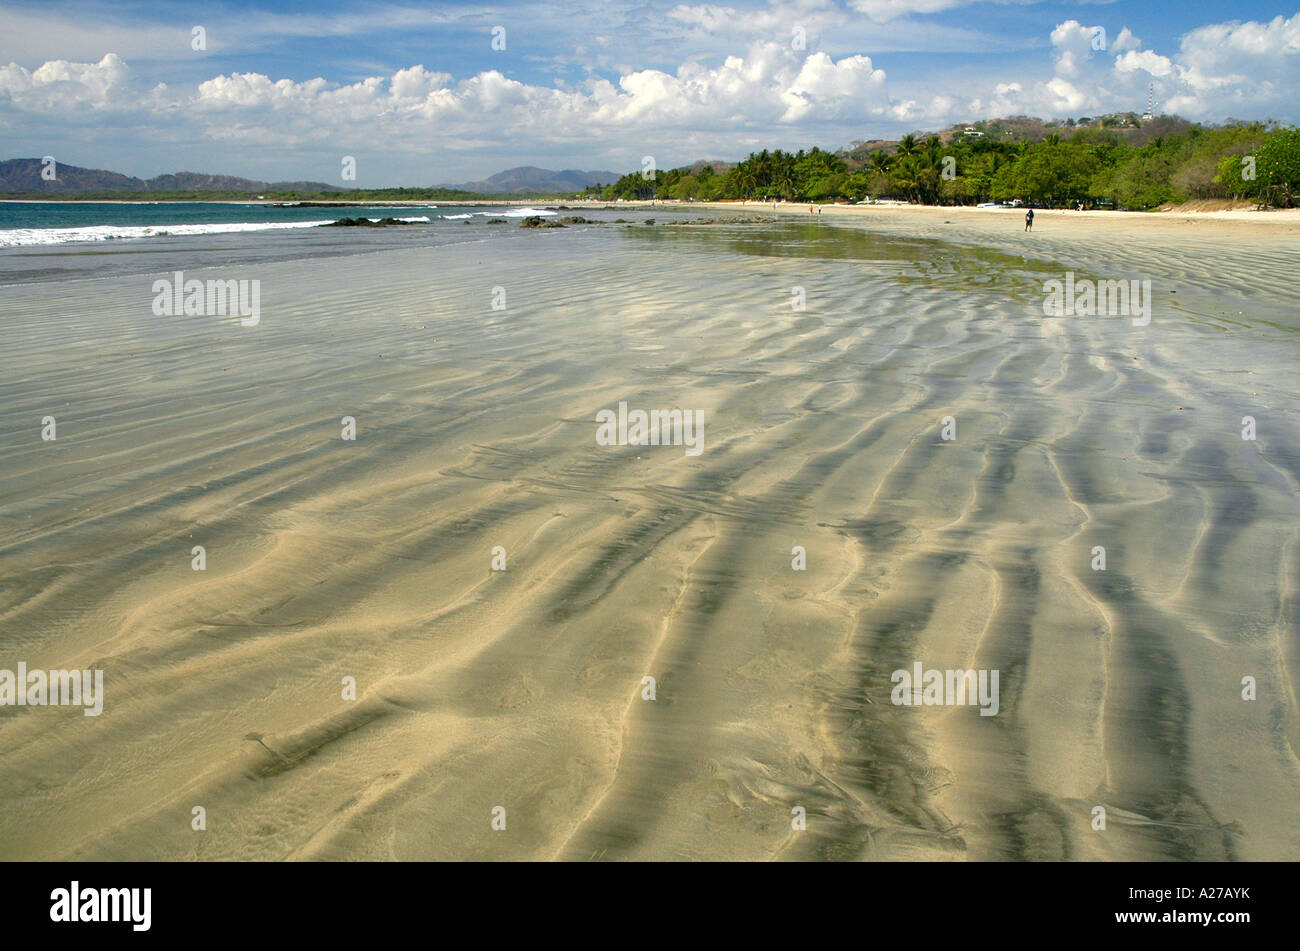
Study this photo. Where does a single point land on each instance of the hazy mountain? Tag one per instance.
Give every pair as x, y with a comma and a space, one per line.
719, 167
528, 178
1125, 127
24, 175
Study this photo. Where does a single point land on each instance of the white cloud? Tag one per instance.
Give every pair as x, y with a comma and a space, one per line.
883, 10
87, 31
1153, 63
1125, 41
59, 84
706, 16
838, 90
771, 90
867, 26
1236, 68
1065, 97
770, 85
1075, 45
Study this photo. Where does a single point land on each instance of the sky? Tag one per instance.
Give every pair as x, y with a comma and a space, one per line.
424, 94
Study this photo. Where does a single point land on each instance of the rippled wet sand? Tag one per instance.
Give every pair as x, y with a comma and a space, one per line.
523, 688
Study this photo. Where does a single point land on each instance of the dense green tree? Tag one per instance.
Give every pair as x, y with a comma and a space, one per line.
1167, 161
1278, 167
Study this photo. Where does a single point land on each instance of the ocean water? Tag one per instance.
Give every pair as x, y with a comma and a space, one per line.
52, 240
42, 222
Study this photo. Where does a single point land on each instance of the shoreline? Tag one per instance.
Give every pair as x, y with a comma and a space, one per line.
1232, 221
1288, 219
309, 202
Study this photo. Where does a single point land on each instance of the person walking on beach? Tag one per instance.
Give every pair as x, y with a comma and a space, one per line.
810, 211
1029, 220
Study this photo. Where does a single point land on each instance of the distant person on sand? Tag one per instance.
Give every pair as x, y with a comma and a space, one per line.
810, 211
1029, 220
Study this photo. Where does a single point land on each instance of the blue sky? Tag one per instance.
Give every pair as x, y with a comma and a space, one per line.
417, 94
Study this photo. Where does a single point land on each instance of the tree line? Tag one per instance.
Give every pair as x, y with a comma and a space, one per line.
1095, 167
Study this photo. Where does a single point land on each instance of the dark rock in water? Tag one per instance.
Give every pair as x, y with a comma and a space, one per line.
496, 221
620, 221
536, 221
367, 223
563, 208
577, 220
465, 222
649, 221
729, 220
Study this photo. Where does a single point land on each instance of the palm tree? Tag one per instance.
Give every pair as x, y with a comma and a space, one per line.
746, 181
906, 146
880, 161
782, 174
906, 176
932, 150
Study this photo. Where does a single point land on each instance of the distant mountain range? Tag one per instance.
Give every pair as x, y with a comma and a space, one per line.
528, 178
24, 176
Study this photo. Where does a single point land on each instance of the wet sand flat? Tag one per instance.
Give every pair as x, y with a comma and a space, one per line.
523, 688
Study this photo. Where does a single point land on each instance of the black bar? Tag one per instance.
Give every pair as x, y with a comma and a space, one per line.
983, 901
